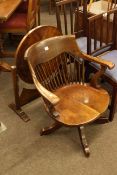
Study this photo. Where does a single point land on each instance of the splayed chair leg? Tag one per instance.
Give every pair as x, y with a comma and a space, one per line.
50, 129
113, 104
83, 141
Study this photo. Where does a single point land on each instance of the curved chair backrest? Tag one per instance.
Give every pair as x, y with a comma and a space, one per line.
56, 61
37, 34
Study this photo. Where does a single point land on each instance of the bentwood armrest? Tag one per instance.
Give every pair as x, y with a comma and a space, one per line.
51, 97
98, 60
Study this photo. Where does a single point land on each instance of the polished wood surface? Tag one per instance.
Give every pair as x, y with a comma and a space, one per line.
58, 71
7, 7
80, 104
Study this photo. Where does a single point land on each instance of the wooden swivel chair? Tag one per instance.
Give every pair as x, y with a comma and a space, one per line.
26, 93
57, 68
21, 21
103, 32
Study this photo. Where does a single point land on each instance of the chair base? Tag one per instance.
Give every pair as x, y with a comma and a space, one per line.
19, 112
50, 129
83, 141
102, 120
55, 126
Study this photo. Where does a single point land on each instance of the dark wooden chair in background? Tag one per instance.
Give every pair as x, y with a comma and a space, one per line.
23, 8
51, 6
103, 32
101, 6
21, 21
89, 10
21, 71
57, 67
66, 18
72, 20
112, 4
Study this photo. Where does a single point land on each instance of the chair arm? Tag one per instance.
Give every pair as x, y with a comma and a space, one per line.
52, 98
98, 60
103, 63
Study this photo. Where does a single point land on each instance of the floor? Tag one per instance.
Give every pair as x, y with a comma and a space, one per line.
24, 152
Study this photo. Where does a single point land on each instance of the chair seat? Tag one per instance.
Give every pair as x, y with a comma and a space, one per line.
80, 104
17, 20
110, 56
82, 43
